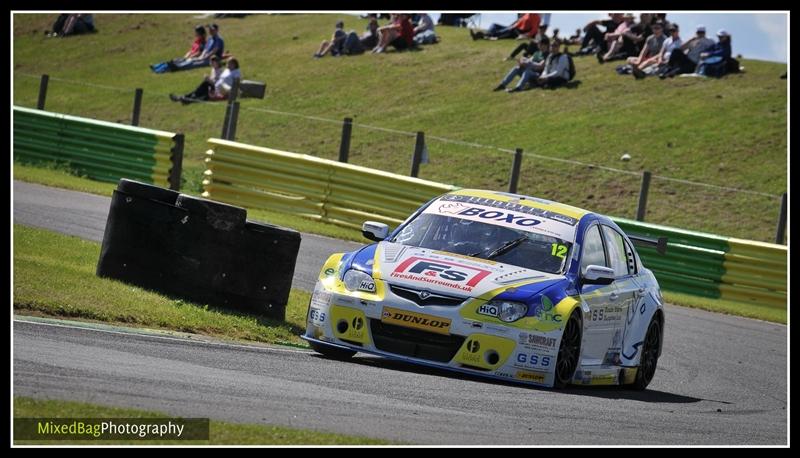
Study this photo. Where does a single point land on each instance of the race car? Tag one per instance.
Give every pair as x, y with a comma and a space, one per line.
498, 285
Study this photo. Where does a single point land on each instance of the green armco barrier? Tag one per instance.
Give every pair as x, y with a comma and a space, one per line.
695, 263
100, 150
715, 266
329, 191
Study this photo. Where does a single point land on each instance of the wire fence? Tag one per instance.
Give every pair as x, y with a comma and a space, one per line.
616, 191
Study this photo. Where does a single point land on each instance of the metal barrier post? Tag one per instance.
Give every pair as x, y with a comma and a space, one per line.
42, 92
137, 107
417, 158
177, 163
641, 209
226, 122
233, 120
781, 232
344, 146
512, 184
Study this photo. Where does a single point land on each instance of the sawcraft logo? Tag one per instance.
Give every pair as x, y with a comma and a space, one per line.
443, 273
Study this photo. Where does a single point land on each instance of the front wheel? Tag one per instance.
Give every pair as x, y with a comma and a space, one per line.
569, 351
332, 352
649, 361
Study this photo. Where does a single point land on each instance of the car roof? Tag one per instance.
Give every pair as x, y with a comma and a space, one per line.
529, 201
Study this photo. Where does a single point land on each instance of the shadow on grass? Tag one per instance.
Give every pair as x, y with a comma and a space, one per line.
606, 392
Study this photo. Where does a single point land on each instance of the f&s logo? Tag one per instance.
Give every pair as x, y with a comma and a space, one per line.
441, 272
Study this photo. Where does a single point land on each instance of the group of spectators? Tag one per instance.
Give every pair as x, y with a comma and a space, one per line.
204, 46
404, 31
653, 46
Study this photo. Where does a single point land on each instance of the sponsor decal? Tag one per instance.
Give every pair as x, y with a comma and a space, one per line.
503, 374
358, 323
529, 376
330, 271
505, 218
321, 299
605, 314
513, 205
533, 360
498, 329
367, 285
536, 340
489, 310
443, 273
544, 312
316, 316
416, 320
473, 324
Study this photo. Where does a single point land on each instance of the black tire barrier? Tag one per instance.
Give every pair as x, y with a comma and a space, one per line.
198, 250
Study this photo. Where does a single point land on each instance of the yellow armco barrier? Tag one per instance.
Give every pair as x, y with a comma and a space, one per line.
695, 263
321, 189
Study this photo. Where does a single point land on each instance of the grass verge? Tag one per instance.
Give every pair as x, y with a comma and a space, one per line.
757, 311
54, 275
220, 432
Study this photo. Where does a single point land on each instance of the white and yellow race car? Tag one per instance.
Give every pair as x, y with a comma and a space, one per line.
498, 285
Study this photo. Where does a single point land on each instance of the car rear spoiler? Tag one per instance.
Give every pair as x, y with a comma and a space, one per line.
660, 243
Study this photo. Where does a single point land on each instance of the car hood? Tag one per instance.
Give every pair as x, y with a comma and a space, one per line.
451, 274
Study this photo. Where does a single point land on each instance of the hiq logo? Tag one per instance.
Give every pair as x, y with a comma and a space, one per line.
533, 360
489, 310
495, 215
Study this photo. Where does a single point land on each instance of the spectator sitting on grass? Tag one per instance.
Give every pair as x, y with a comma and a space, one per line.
215, 46
72, 24
370, 38
424, 32
686, 58
614, 40
527, 68
633, 40
195, 51
556, 68
671, 43
213, 87
717, 61
525, 26
335, 44
399, 34
650, 51
594, 40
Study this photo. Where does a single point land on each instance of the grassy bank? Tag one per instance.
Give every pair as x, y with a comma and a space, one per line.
220, 432
729, 132
54, 275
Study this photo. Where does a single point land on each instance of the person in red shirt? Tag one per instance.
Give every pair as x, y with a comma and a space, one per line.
526, 26
399, 34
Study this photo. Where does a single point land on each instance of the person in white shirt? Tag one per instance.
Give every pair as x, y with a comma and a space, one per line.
217, 86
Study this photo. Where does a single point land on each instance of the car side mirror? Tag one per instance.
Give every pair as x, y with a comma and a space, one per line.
374, 231
598, 275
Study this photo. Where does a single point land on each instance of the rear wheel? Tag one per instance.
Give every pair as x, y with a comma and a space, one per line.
332, 352
569, 351
649, 361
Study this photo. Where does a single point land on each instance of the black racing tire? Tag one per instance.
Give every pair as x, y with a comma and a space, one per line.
649, 359
332, 352
569, 352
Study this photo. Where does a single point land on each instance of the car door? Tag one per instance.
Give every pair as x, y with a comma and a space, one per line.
595, 300
616, 313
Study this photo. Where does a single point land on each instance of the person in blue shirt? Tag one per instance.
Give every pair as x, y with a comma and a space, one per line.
215, 46
714, 61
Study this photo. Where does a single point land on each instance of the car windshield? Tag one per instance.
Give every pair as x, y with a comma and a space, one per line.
486, 241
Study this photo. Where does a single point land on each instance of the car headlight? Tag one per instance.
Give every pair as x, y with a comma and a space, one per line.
509, 311
356, 280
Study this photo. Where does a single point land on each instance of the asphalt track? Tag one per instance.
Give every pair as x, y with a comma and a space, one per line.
721, 379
